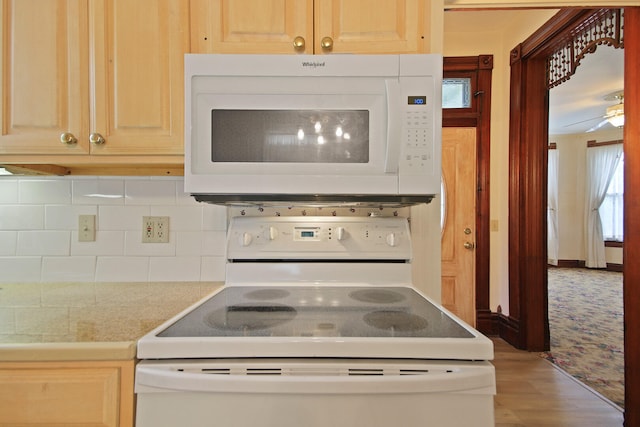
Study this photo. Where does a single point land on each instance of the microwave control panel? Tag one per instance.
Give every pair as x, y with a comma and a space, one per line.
419, 159
417, 154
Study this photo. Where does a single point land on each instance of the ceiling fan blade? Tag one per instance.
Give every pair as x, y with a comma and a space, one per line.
584, 121
598, 126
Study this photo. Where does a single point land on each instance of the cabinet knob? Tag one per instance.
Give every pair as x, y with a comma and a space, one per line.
326, 43
96, 138
298, 43
68, 138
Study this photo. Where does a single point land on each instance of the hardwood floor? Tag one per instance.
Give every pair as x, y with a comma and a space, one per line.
533, 392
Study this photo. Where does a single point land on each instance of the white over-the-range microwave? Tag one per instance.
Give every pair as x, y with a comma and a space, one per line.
362, 129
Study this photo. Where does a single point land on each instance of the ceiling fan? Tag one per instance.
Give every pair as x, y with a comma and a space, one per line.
614, 114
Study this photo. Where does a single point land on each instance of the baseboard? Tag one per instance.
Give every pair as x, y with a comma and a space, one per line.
574, 263
570, 263
497, 324
486, 323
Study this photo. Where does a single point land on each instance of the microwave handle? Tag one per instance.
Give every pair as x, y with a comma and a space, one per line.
392, 154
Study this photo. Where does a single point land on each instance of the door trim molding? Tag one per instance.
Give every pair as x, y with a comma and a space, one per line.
479, 69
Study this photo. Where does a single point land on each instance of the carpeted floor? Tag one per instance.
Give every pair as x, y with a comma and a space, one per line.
586, 324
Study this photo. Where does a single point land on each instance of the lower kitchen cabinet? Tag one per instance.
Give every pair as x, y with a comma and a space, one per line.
91, 393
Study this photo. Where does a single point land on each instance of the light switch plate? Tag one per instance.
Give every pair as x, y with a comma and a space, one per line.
87, 228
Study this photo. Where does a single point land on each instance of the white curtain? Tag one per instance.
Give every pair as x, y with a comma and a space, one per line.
601, 164
552, 209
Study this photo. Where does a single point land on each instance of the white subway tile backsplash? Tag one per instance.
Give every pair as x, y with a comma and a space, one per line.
122, 269
214, 217
40, 191
98, 192
43, 242
21, 217
150, 192
7, 321
68, 269
65, 217
108, 243
8, 190
212, 269
189, 243
181, 218
8, 242
174, 269
20, 269
214, 243
133, 245
39, 231
122, 217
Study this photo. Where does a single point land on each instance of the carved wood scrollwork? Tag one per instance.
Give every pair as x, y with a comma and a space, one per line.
606, 26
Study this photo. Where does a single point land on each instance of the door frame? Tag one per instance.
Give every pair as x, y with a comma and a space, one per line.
528, 326
479, 69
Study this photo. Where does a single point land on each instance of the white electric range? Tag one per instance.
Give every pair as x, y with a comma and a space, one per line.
318, 324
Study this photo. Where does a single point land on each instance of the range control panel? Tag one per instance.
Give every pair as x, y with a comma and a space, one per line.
318, 238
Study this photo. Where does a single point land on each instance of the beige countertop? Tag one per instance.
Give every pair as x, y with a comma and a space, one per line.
87, 321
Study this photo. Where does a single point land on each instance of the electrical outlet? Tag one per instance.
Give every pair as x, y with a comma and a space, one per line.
87, 228
155, 229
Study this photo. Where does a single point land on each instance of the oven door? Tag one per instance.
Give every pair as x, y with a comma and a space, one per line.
300, 135
314, 392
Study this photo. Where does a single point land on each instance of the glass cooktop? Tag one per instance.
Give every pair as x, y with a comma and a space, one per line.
310, 311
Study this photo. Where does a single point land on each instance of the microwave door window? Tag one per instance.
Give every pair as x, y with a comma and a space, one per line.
290, 136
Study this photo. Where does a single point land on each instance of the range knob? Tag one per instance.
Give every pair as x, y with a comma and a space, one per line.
245, 239
341, 233
392, 240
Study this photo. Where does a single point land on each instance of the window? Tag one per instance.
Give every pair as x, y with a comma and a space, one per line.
456, 92
612, 206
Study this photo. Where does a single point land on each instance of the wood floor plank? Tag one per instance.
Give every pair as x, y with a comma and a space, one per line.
532, 392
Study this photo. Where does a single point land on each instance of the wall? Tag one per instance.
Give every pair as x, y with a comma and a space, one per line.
39, 231
572, 155
495, 32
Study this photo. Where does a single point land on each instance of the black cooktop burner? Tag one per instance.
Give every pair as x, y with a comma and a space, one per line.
250, 317
395, 321
377, 296
266, 294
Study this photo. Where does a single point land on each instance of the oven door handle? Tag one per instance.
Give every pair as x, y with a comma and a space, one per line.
168, 379
392, 155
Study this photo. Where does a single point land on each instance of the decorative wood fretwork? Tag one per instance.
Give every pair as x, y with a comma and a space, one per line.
604, 27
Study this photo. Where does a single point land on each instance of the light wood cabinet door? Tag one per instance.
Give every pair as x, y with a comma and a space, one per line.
107, 67
43, 76
252, 26
306, 26
137, 75
370, 26
66, 394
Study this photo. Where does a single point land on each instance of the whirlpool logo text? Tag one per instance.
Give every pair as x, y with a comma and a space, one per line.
312, 64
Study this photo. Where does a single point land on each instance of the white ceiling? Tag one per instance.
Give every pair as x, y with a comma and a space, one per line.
582, 97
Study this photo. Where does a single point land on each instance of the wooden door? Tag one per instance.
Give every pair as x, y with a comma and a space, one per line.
138, 52
371, 26
44, 76
458, 235
251, 26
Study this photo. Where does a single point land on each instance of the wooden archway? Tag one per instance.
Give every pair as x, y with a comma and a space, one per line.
527, 326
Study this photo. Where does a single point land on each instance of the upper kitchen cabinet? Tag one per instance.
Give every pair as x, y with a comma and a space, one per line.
309, 26
99, 81
137, 78
44, 70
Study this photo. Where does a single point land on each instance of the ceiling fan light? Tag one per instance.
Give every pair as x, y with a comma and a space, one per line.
615, 115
